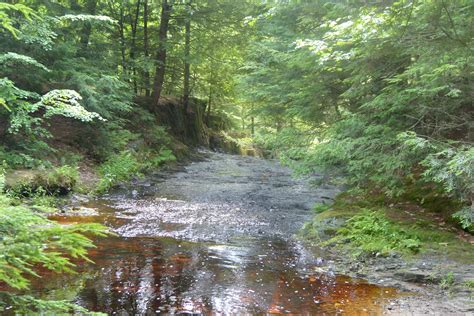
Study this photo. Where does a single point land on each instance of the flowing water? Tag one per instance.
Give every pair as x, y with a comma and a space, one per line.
216, 237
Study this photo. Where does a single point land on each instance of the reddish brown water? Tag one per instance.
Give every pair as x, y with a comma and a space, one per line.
246, 210
147, 276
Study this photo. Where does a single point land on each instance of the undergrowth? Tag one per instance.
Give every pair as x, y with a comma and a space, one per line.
370, 232
29, 241
118, 168
128, 164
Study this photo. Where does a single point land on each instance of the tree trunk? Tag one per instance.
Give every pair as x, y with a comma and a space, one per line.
146, 75
208, 116
187, 50
133, 25
122, 41
89, 8
161, 53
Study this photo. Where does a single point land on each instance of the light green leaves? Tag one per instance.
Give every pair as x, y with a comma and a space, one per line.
66, 103
14, 60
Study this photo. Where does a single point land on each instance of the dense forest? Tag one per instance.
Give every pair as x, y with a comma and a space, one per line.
375, 95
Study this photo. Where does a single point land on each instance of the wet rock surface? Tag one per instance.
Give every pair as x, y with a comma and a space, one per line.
220, 198
212, 237
217, 237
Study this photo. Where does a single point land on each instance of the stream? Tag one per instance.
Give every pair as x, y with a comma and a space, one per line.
216, 237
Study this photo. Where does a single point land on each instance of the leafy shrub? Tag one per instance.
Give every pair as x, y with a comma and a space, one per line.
152, 159
157, 137
30, 240
371, 232
465, 218
118, 168
22, 157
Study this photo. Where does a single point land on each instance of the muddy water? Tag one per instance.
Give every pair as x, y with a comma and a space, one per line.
214, 238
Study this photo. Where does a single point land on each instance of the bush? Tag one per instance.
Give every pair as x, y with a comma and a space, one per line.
29, 240
152, 159
157, 137
465, 218
118, 168
372, 233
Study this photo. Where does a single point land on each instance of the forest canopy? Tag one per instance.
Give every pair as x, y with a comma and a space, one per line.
377, 93
380, 91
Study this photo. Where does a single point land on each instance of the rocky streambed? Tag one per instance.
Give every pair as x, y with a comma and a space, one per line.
218, 237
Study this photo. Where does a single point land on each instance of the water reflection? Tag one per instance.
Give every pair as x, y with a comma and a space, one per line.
147, 276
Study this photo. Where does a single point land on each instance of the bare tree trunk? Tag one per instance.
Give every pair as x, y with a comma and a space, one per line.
146, 75
209, 103
133, 24
187, 50
161, 53
122, 40
90, 8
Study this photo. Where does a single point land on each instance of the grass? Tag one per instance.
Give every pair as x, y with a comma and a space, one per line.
447, 281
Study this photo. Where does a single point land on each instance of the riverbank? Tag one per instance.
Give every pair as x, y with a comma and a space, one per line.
430, 257
216, 236
239, 215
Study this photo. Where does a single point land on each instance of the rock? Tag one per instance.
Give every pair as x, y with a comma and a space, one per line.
77, 198
415, 276
84, 211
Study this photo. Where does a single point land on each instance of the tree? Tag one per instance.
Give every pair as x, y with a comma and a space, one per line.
166, 8
187, 49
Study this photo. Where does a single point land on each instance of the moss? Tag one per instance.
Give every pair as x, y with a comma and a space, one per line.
436, 236
327, 220
58, 181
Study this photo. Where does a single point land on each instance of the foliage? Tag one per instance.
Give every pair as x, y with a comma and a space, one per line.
27, 305
128, 164
372, 233
15, 158
447, 281
157, 137
29, 240
66, 103
465, 217
377, 92
118, 168
14, 60
6, 20
151, 159
57, 181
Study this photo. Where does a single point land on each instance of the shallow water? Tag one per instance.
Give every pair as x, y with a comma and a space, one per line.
214, 238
